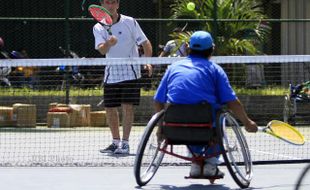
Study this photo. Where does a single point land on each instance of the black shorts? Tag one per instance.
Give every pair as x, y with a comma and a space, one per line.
123, 92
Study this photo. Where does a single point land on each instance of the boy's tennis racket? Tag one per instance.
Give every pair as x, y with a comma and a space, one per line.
102, 16
284, 132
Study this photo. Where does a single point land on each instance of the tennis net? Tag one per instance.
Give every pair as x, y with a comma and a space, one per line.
38, 128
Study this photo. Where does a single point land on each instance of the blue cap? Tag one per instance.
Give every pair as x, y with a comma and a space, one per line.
201, 40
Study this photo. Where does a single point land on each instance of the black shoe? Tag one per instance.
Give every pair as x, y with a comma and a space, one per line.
109, 149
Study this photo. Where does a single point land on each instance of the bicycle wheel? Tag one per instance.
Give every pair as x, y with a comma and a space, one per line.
148, 157
304, 179
235, 150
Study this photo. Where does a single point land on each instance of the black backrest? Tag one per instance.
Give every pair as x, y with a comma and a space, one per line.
188, 113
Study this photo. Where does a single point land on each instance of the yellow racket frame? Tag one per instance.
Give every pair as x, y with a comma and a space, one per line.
300, 139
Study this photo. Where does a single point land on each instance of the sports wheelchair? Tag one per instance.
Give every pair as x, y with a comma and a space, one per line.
296, 105
185, 125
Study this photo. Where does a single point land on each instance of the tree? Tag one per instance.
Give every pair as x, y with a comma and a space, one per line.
239, 31
238, 37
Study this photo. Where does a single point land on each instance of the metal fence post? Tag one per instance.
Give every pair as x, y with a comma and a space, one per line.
215, 22
67, 45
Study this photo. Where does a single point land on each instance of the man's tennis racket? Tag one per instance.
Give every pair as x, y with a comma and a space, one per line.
102, 16
284, 132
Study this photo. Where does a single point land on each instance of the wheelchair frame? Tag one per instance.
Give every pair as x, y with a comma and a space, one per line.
240, 170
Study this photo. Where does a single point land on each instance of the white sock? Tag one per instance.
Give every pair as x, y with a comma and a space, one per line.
116, 141
125, 142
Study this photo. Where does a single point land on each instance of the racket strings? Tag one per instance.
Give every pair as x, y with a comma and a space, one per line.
287, 133
101, 16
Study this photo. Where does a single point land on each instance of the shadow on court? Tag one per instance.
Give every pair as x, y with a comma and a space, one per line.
119, 155
206, 187
195, 187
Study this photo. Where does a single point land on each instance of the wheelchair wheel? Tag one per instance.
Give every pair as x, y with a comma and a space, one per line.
148, 157
286, 109
235, 150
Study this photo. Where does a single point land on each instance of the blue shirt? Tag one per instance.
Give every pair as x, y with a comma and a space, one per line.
195, 80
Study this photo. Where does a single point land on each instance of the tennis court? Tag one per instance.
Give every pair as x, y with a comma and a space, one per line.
79, 147
40, 149
273, 177
70, 155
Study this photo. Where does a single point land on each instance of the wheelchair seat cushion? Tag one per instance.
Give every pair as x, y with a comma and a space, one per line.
188, 124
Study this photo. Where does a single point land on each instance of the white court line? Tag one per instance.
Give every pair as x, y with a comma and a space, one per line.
275, 154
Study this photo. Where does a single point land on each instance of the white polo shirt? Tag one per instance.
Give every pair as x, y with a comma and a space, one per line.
129, 35
172, 47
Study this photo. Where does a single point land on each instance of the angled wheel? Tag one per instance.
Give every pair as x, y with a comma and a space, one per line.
304, 178
235, 150
289, 111
148, 157
286, 109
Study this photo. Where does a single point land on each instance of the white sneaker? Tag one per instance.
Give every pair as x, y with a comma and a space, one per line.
195, 170
124, 149
210, 170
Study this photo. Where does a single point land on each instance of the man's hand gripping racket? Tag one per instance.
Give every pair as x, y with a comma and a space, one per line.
102, 16
284, 132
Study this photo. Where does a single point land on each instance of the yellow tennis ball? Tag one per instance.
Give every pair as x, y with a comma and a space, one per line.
190, 6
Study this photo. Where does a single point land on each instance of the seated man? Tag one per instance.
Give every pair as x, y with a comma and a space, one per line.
195, 80
301, 91
173, 49
4, 71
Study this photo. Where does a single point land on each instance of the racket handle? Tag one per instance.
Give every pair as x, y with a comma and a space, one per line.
261, 129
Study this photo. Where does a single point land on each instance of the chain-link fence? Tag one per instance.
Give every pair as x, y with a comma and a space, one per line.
46, 29
41, 28
32, 29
